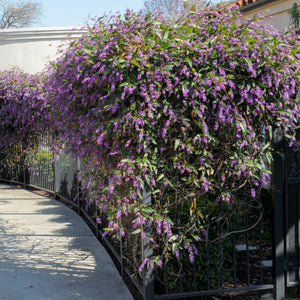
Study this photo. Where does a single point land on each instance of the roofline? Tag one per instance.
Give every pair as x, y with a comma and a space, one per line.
255, 4
247, 5
40, 34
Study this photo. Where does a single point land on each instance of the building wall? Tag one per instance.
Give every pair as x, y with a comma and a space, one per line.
31, 49
276, 11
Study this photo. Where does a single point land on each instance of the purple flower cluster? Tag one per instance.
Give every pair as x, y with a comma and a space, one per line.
23, 111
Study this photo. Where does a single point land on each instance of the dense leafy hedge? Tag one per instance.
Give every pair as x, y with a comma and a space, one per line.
23, 110
186, 107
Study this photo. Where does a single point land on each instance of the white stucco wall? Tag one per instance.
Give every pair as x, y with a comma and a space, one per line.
31, 49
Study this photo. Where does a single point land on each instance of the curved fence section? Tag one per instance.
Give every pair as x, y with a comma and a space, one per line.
60, 177
237, 255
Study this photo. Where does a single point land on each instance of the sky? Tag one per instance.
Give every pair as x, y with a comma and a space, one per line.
74, 13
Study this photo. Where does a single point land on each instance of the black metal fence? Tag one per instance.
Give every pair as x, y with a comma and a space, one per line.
39, 170
238, 254
234, 256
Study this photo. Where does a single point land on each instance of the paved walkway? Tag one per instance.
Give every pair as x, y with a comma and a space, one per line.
48, 252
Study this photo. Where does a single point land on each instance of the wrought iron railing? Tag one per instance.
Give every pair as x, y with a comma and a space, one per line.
39, 170
236, 256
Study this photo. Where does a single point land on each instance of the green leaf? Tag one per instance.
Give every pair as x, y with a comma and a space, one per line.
160, 177
270, 132
267, 145
174, 247
126, 160
243, 127
87, 51
106, 229
166, 35
134, 62
168, 181
124, 84
189, 61
137, 231
249, 63
269, 157
167, 68
142, 183
148, 179
250, 40
176, 144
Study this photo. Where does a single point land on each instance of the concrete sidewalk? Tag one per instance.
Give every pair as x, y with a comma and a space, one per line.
48, 252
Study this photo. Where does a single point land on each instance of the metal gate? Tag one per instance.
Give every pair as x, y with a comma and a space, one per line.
292, 216
286, 218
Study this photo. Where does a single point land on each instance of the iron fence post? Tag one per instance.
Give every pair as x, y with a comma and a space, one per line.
24, 172
147, 250
278, 221
56, 183
78, 189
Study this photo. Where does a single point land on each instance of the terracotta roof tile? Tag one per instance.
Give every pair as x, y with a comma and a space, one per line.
241, 3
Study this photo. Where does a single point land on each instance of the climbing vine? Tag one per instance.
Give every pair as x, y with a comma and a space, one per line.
186, 108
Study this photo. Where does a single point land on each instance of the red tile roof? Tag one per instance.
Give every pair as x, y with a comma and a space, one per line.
244, 2
248, 4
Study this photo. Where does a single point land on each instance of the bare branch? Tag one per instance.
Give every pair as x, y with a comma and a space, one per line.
171, 7
20, 14
174, 7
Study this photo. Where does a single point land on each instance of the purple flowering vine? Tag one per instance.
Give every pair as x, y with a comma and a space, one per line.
186, 108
